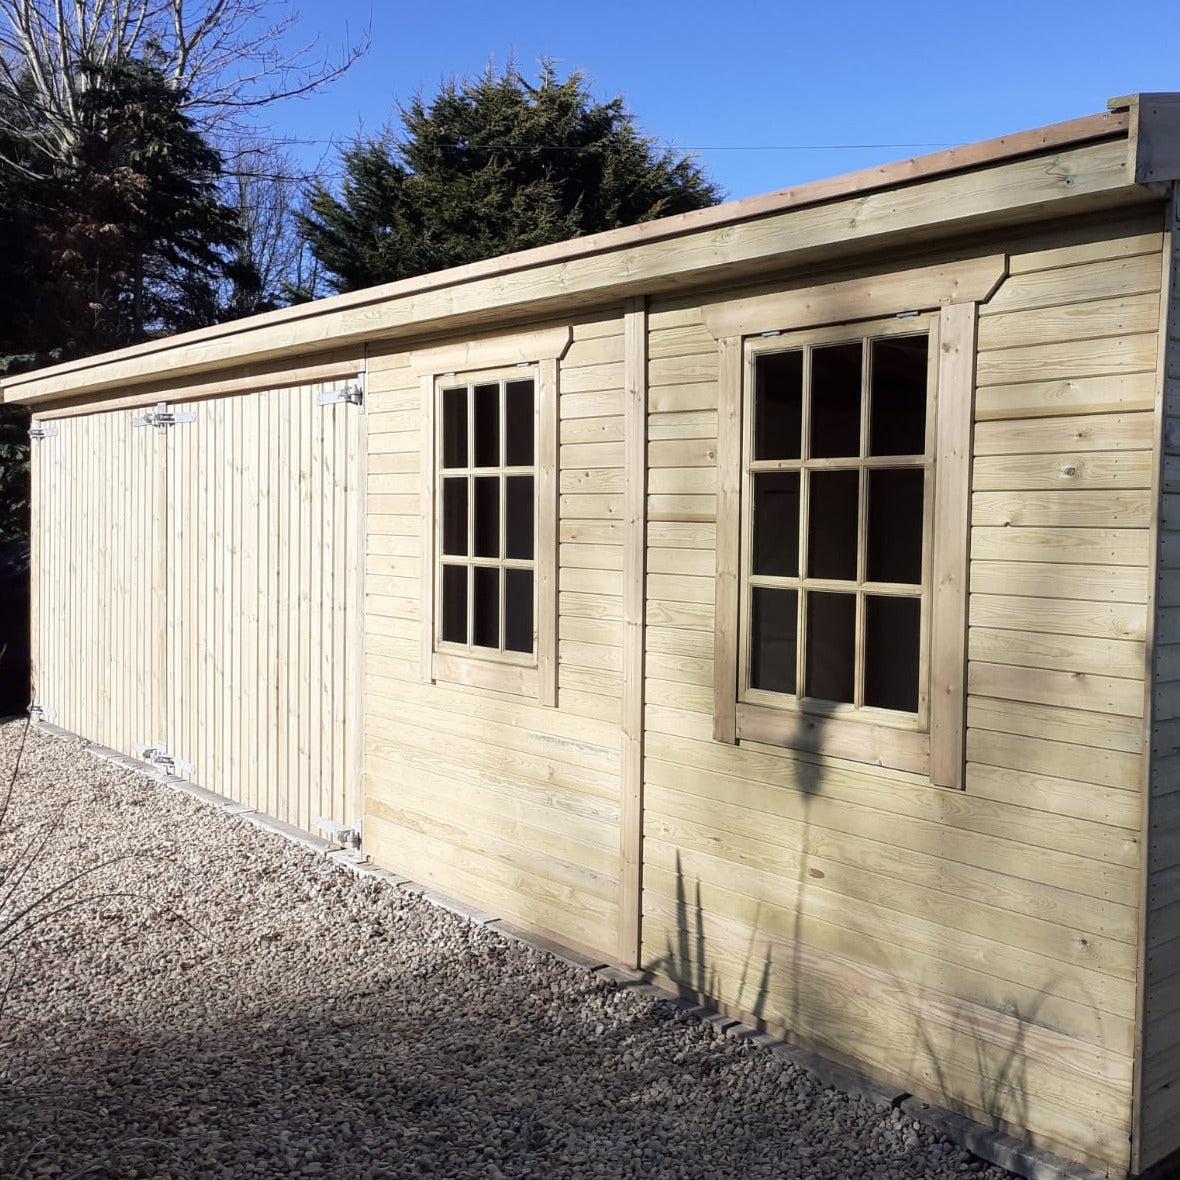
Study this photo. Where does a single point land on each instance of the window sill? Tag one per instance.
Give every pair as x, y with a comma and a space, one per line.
856, 740
472, 672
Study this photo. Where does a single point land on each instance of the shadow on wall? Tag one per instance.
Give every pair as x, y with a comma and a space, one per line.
969, 1054
14, 628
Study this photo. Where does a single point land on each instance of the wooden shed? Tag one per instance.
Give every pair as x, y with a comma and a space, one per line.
778, 598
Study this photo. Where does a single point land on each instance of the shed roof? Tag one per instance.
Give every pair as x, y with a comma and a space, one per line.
1098, 161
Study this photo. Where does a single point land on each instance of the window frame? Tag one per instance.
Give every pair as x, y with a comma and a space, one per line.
521, 674
470, 472
804, 340
952, 292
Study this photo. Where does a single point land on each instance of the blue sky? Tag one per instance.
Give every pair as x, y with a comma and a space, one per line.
768, 94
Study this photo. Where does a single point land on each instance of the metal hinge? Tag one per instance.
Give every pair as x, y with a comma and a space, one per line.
164, 762
40, 713
340, 833
162, 417
350, 395
39, 431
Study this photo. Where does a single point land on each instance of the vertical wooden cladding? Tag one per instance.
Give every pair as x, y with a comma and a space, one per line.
976, 946
98, 551
1157, 1133
199, 591
264, 581
506, 802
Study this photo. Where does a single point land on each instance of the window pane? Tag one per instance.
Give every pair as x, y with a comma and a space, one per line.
835, 401
895, 526
831, 532
518, 416
487, 426
892, 630
454, 423
773, 625
518, 540
518, 610
776, 523
778, 405
454, 524
454, 603
487, 516
485, 603
898, 425
831, 646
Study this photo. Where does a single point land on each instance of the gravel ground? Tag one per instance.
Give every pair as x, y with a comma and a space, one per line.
231, 1005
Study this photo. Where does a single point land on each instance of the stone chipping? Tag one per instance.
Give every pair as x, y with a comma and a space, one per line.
211, 1000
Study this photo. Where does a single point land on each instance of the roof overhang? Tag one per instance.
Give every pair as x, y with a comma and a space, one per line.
1101, 161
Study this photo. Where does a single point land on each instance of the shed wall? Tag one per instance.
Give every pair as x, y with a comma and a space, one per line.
977, 946
1159, 1106
509, 804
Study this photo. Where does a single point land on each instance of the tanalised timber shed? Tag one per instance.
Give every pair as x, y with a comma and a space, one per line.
779, 598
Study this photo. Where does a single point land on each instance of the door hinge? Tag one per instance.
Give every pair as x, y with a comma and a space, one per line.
42, 431
158, 757
163, 416
340, 833
350, 395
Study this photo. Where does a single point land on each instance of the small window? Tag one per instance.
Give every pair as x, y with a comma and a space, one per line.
837, 487
487, 519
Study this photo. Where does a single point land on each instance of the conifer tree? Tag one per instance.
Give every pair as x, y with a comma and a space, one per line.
490, 165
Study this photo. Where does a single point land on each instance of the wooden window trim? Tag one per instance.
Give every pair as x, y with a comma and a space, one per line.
518, 674
935, 744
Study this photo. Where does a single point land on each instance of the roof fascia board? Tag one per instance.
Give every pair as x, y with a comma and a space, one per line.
1153, 135
1090, 175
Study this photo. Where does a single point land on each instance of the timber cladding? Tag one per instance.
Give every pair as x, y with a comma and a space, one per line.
986, 938
898, 785
500, 799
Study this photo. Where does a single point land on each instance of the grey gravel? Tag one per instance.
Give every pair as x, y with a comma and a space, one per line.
232, 1005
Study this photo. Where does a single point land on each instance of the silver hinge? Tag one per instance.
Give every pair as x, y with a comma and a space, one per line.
40, 713
349, 395
164, 762
40, 431
340, 833
162, 417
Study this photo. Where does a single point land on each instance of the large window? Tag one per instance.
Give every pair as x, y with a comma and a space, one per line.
486, 517
838, 436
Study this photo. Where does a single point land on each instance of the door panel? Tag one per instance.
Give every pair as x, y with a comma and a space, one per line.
99, 611
265, 577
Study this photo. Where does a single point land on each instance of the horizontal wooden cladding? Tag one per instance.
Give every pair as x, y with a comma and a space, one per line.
815, 859
510, 805
953, 1051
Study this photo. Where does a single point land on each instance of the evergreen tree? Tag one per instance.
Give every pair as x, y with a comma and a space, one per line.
491, 165
138, 235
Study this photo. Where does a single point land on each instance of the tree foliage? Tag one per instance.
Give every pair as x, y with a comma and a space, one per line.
130, 240
490, 165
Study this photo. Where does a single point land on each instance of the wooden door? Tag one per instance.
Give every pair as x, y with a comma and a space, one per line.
99, 612
264, 580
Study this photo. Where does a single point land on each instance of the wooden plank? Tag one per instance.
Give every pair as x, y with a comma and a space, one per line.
729, 424
492, 352
971, 280
548, 467
634, 579
1110, 393
1085, 470
948, 645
